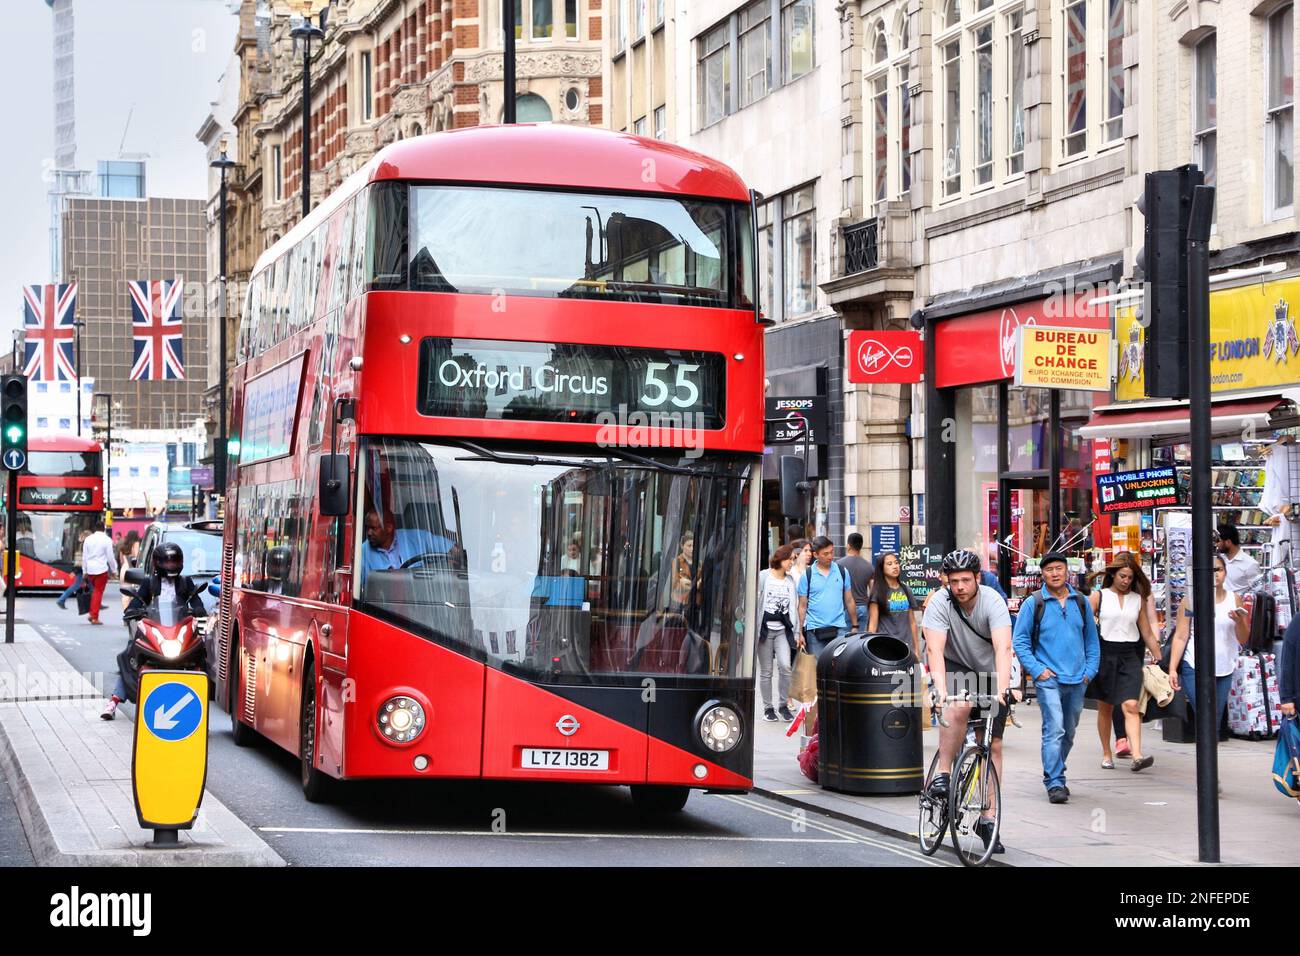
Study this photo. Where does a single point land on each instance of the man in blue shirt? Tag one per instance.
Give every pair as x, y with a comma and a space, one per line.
1062, 658
387, 547
826, 612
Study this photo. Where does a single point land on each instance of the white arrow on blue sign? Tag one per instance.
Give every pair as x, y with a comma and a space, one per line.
15, 459
173, 712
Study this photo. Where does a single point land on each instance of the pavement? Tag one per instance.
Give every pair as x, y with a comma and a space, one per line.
69, 773
1114, 818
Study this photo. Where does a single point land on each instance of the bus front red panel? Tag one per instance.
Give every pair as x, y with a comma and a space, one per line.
385, 661
669, 764
524, 737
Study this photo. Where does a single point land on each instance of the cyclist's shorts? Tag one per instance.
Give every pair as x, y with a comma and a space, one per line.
962, 680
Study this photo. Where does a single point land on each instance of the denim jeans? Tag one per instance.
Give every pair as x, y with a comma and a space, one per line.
863, 618
1187, 676
815, 647
773, 644
73, 588
1061, 705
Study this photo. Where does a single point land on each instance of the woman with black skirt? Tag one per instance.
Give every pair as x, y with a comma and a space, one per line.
1124, 628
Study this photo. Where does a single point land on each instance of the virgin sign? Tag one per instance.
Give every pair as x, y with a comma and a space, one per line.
886, 357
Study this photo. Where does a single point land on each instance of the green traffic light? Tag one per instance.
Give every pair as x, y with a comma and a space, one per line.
14, 434
232, 446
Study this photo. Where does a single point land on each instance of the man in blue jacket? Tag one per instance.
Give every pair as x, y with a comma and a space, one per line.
1056, 641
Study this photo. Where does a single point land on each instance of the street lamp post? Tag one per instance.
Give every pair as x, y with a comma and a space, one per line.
306, 32
108, 454
222, 163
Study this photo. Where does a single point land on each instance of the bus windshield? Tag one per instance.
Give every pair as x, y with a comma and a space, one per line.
53, 537
562, 569
629, 248
64, 464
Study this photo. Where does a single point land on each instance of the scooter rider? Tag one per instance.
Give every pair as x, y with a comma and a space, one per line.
165, 585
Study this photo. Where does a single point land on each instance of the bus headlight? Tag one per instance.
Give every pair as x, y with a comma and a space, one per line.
401, 719
720, 728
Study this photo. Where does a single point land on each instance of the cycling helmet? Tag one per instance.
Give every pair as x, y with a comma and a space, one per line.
168, 558
961, 560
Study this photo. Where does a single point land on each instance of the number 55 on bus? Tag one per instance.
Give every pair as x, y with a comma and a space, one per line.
496, 441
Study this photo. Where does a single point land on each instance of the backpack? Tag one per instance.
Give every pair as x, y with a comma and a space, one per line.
1040, 608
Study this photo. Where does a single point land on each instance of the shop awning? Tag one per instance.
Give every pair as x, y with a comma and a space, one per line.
1175, 419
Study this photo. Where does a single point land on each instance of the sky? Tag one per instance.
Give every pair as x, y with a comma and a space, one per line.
159, 60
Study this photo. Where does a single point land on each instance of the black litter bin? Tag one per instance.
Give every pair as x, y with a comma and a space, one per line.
869, 713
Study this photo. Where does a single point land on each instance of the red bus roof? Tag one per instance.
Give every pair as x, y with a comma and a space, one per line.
531, 154
549, 154
62, 443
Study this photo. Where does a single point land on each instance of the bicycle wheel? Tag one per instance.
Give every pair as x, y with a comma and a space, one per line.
975, 793
934, 815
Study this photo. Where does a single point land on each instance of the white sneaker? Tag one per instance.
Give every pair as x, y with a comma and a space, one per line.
110, 709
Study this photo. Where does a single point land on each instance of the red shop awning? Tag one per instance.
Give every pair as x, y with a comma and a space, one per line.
1226, 417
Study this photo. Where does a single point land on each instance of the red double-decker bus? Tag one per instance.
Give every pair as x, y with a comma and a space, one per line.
493, 508
59, 496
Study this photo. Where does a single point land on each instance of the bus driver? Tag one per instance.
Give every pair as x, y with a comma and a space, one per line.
388, 547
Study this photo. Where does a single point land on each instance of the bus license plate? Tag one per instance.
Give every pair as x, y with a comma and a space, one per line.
536, 758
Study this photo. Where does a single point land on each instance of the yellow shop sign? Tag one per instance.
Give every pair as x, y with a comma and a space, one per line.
1253, 340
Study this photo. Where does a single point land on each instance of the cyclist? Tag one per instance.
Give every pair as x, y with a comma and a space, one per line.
968, 649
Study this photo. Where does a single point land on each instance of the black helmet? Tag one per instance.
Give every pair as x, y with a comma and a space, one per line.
168, 558
961, 560
278, 560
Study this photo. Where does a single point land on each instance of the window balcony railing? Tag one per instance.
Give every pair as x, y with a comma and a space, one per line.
861, 246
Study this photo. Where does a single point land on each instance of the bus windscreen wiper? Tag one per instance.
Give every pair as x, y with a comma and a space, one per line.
487, 454
662, 466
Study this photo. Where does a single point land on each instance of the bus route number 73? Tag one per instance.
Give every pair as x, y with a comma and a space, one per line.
657, 390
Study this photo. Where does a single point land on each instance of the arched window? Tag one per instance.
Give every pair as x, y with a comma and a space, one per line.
881, 44
904, 31
952, 13
416, 130
531, 108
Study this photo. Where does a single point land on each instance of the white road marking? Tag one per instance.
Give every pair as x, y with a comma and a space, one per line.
550, 834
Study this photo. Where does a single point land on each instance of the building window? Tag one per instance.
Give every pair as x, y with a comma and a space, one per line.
531, 108
638, 19
121, 179
42, 387
153, 471
1280, 122
1076, 78
571, 19
766, 262
880, 136
1205, 119
904, 131
42, 423
714, 75
65, 423
277, 172
1015, 93
755, 51
661, 122
113, 471
798, 234
541, 20
367, 88
65, 388
1115, 69
984, 105
796, 38
620, 24
952, 13
638, 127
134, 471
659, 12
952, 118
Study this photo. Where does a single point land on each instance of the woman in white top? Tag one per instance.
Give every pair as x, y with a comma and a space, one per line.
1120, 607
777, 599
1231, 630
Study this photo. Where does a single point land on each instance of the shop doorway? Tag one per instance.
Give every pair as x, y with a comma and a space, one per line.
1026, 500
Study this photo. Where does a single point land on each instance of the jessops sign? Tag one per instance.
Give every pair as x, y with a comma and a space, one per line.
555, 382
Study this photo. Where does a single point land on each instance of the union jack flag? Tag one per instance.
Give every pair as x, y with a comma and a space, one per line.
156, 322
1076, 69
48, 315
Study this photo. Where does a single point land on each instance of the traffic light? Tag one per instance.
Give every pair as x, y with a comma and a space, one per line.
1166, 204
13, 414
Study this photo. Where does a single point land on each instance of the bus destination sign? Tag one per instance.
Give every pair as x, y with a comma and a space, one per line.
553, 382
67, 497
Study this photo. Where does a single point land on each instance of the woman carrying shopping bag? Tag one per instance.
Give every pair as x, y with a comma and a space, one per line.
777, 633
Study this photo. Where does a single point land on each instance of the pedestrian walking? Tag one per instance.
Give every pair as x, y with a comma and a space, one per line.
826, 609
1119, 605
1243, 570
1141, 583
1056, 640
1231, 630
79, 578
891, 603
97, 562
858, 569
802, 557
1288, 668
777, 634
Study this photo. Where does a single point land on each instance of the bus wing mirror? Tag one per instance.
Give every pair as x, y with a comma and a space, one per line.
136, 576
794, 474
334, 485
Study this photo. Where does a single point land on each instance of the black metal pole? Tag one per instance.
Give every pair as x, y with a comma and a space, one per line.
1054, 467
11, 556
219, 458
508, 61
76, 347
1198, 344
306, 122
108, 491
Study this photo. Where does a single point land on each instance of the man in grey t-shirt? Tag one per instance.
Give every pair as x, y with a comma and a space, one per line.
968, 647
858, 570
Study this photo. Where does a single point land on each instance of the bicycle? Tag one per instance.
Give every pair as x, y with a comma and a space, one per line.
973, 789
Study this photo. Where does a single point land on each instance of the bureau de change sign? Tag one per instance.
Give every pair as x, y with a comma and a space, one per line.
1136, 490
